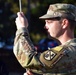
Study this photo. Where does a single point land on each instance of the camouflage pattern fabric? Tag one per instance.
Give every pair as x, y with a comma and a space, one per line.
60, 10
60, 60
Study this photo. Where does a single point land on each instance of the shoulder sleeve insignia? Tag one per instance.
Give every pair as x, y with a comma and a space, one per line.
52, 56
49, 55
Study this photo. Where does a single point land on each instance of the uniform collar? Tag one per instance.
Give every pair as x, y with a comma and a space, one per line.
71, 42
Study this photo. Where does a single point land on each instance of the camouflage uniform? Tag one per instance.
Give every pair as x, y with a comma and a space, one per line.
59, 60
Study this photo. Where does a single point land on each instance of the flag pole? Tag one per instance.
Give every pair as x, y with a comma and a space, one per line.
20, 5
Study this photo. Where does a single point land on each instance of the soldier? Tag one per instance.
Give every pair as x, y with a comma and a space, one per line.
60, 21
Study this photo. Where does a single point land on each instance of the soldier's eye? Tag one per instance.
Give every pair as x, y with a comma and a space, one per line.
49, 21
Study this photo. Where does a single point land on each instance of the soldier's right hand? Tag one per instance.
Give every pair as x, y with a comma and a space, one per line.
21, 20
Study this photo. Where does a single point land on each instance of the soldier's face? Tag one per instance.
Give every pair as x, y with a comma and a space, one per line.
53, 27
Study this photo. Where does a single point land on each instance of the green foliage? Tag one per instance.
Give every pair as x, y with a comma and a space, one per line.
36, 37
69, 1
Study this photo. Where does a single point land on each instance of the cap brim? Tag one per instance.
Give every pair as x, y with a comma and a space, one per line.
46, 16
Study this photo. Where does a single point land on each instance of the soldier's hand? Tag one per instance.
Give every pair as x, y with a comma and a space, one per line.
21, 20
28, 73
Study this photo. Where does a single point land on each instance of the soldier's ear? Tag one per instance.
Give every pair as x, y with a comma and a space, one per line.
64, 23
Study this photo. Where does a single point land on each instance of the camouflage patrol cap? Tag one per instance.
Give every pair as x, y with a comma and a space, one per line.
60, 10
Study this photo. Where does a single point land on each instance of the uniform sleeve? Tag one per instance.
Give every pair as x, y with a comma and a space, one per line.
29, 58
25, 51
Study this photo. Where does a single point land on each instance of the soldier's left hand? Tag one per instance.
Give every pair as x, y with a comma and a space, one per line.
28, 73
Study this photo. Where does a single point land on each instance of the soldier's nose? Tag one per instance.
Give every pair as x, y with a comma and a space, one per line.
45, 27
